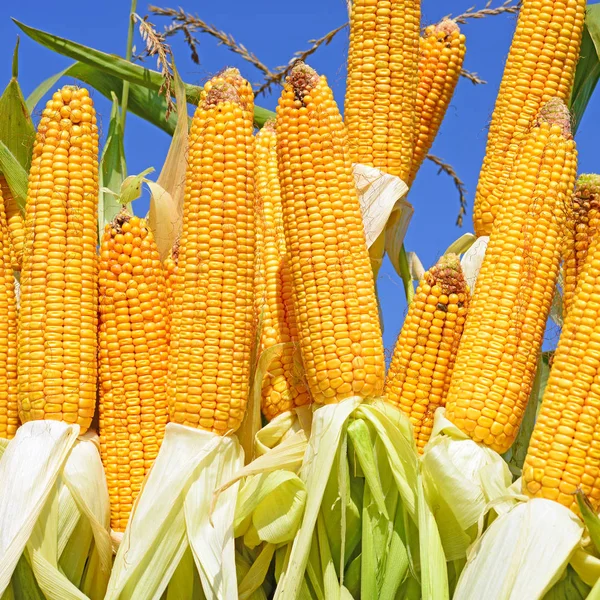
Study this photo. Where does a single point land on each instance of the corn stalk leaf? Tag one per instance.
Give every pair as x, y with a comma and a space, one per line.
16, 127
119, 67
590, 518
131, 188
142, 101
165, 217
587, 72
569, 587
15, 174
462, 244
113, 169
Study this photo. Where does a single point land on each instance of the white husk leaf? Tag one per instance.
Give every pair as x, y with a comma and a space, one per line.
462, 480
54, 490
472, 260
522, 554
173, 512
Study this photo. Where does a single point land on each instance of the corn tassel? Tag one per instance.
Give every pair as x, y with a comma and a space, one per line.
497, 356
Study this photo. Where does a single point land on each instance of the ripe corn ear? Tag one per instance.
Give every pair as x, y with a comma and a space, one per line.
424, 356
9, 418
233, 77
58, 319
442, 51
582, 224
170, 270
503, 335
16, 225
540, 66
381, 91
333, 290
212, 325
284, 387
133, 360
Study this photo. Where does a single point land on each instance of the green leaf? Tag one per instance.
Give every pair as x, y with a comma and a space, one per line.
15, 175
119, 67
142, 101
113, 170
590, 518
588, 67
462, 244
131, 188
16, 128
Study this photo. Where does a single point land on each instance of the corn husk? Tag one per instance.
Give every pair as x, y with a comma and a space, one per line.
522, 554
464, 481
472, 260
367, 528
175, 515
54, 514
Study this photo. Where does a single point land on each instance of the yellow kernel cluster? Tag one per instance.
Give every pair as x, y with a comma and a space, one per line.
16, 225
333, 290
503, 335
425, 352
381, 90
284, 387
213, 324
58, 323
540, 65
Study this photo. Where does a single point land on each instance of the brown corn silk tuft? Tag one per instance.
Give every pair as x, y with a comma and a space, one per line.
333, 290
132, 359
213, 321
58, 320
503, 335
540, 65
582, 225
284, 387
425, 352
442, 51
381, 91
9, 417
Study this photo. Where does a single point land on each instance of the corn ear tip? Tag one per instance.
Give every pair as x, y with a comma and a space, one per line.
220, 93
447, 26
302, 78
590, 182
449, 274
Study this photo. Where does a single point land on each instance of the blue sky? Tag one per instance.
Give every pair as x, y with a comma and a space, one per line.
274, 30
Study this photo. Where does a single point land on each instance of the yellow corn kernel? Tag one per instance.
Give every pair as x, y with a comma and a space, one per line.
133, 359
170, 270
333, 290
9, 418
540, 66
381, 91
284, 387
442, 51
424, 356
16, 225
58, 319
582, 224
212, 324
498, 353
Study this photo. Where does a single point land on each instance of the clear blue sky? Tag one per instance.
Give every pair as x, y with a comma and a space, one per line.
273, 30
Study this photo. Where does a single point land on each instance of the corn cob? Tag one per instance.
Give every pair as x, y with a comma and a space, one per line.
442, 51
233, 77
283, 387
133, 359
540, 65
564, 450
58, 321
582, 223
213, 312
170, 270
333, 291
16, 226
9, 418
503, 335
381, 92
419, 375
